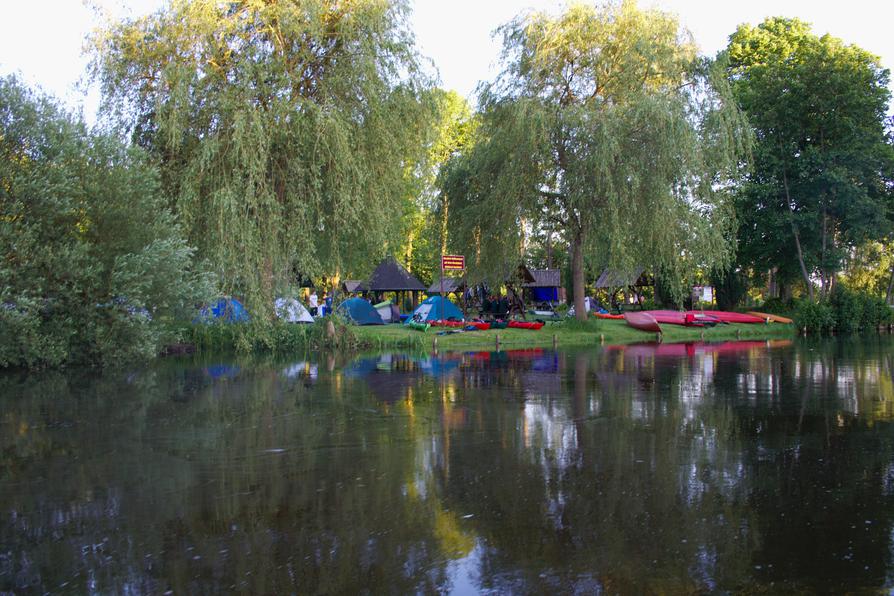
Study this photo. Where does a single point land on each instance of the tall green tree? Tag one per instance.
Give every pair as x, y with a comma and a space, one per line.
427, 211
605, 125
823, 169
284, 129
92, 262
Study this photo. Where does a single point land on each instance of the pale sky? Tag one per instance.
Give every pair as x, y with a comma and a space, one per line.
42, 39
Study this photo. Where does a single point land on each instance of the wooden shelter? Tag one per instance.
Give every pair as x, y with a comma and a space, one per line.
545, 287
391, 276
614, 281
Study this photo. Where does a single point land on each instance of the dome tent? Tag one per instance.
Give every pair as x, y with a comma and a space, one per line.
388, 311
359, 312
291, 311
228, 310
436, 308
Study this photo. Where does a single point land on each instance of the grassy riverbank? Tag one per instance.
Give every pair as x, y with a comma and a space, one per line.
566, 333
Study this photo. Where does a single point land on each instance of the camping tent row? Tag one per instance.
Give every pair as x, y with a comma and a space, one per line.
360, 312
230, 310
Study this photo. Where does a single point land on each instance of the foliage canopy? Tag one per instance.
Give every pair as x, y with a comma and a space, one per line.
285, 130
92, 263
606, 127
823, 170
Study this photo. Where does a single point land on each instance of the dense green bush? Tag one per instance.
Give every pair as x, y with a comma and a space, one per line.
814, 316
93, 266
278, 337
845, 310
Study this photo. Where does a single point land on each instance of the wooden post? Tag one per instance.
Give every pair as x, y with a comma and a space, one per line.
555, 341
498, 342
601, 339
434, 344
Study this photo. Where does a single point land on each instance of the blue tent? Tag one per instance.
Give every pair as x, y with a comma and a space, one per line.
359, 312
436, 308
228, 310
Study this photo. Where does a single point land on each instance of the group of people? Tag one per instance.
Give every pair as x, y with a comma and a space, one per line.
317, 308
497, 306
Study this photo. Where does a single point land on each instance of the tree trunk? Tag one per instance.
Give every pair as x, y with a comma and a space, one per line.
549, 250
788, 203
577, 275
801, 263
824, 273
889, 296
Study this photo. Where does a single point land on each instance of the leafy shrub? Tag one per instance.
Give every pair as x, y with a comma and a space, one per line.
876, 312
814, 316
847, 309
93, 264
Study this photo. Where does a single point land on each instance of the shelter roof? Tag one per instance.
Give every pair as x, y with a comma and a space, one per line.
451, 284
612, 278
524, 275
391, 276
545, 278
352, 286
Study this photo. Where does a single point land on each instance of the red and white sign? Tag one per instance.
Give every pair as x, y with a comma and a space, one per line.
453, 262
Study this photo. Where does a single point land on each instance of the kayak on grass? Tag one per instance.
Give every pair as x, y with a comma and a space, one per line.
442, 323
771, 318
479, 325
417, 325
643, 321
532, 325
725, 316
604, 315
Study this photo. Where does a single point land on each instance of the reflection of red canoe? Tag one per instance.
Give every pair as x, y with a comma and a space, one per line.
729, 317
642, 321
534, 325
524, 354
600, 315
692, 348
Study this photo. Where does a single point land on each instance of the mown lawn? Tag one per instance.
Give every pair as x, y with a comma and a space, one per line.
564, 333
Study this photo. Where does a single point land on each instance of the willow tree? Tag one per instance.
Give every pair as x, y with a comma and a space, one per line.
605, 125
284, 128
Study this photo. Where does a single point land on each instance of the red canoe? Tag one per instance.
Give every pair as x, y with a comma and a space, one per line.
643, 321
534, 326
729, 317
601, 315
480, 325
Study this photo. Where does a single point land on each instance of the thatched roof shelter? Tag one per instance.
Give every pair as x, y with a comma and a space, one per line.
545, 278
391, 276
451, 284
612, 278
353, 286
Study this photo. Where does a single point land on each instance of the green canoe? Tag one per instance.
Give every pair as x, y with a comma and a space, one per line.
418, 326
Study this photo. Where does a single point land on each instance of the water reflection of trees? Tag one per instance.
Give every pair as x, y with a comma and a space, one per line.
625, 469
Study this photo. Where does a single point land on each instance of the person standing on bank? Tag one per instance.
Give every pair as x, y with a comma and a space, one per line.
313, 302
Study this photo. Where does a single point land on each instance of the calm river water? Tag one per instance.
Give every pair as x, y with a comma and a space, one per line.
676, 468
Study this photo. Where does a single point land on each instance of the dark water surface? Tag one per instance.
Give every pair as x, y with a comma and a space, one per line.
754, 467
